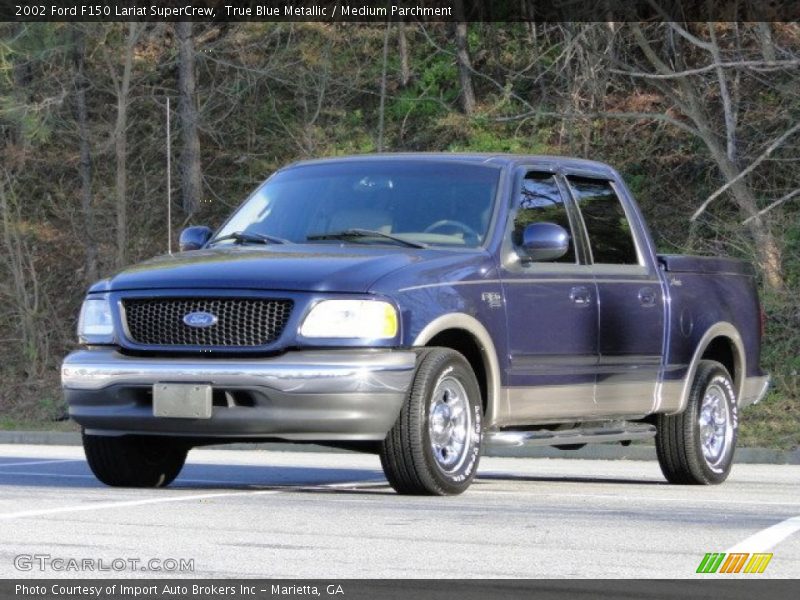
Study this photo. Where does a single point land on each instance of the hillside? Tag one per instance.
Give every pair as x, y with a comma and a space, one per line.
703, 122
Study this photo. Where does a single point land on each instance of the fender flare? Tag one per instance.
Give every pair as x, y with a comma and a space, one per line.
721, 329
488, 351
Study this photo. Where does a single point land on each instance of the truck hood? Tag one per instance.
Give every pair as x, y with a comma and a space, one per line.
312, 268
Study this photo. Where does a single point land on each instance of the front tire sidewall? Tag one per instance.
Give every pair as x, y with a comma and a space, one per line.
457, 480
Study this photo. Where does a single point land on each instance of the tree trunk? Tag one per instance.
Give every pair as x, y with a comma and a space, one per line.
121, 145
770, 256
21, 73
765, 40
405, 69
382, 107
463, 60
768, 252
85, 164
189, 168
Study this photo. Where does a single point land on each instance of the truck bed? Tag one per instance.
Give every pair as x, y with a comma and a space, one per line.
683, 263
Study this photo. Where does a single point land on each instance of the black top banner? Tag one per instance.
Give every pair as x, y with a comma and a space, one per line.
400, 10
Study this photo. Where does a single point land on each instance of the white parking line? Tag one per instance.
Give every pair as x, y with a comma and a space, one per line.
164, 500
96, 506
768, 538
39, 462
670, 499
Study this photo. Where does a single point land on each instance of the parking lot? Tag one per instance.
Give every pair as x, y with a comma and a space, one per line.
239, 513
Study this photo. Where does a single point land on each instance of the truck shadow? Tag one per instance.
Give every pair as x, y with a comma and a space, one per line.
567, 479
27, 472
75, 474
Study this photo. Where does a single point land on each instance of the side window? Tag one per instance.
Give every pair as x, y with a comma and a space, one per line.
540, 201
610, 234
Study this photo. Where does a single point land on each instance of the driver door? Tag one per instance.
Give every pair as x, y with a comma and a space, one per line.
551, 311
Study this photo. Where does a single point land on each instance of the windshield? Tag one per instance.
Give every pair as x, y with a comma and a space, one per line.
420, 202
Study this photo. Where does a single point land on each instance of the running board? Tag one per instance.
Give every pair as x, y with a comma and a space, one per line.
612, 432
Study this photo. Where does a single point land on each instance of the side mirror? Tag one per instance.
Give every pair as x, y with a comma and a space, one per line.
194, 238
544, 241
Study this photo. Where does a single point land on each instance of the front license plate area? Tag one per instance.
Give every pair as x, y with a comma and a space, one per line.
182, 400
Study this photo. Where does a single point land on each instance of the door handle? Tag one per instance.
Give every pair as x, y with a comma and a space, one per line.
580, 295
647, 296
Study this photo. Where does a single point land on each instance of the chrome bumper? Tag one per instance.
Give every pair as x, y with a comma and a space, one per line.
332, 372
311, 395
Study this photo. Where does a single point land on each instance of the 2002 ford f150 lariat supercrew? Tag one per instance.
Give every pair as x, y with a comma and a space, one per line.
420, 306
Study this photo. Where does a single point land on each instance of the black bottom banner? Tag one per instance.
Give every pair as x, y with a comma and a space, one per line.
358, 589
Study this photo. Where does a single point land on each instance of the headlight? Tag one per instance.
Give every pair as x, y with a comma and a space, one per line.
363, 319
95, 325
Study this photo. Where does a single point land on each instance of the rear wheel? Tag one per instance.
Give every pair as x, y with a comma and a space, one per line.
434, 447
697, 446
134, 461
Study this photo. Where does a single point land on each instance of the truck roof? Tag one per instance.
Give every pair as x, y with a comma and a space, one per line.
499, 159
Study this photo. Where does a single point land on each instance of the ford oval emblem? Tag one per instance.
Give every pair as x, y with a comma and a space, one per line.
200, 319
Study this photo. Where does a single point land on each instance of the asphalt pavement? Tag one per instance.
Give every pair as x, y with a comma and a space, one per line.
236, 513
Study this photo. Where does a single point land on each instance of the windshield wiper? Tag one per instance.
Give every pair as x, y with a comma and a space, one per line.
242, 237
364, 233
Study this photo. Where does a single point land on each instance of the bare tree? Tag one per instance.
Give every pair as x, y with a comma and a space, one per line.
405, 67
189, 168
22, 76
22, 291
689, 95
122, 86
85, 164
696, 79
382, 106
764, 32
463, 61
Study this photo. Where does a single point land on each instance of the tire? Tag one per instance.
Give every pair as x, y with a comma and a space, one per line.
435, 445
132, 461
697, 446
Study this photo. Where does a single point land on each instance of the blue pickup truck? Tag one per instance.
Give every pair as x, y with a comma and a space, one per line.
421, 307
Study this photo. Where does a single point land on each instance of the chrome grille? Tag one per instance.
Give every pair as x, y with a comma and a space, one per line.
241, 322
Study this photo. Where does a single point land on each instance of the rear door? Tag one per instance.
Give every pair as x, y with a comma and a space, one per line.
631, 301
551, 311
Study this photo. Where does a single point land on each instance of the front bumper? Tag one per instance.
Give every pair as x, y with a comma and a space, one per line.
331, 395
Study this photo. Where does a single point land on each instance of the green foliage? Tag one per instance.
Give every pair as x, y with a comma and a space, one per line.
483, 140
26, 56
51, 407
773, 423
792, 251
637, 183
431, 91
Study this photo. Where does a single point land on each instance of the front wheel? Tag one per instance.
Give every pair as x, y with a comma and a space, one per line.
435, 445
697, 446
134, 461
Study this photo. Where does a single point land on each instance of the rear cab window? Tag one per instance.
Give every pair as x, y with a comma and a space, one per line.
611, 237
